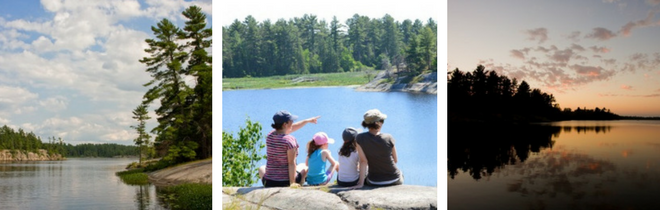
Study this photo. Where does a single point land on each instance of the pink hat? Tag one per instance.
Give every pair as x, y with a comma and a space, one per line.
321, 138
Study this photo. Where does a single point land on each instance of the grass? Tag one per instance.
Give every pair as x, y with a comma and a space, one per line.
314, 80
188, 196
134, 177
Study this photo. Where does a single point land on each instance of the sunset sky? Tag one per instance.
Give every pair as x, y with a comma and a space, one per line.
596, 53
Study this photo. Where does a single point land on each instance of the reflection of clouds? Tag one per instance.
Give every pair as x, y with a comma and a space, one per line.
654, 145
607, 144
573, 179
626, 153
561, 171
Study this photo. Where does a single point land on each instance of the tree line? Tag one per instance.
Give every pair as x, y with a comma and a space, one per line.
483, 95
305, 45
25, 141
99, 150
11, 139
183, 132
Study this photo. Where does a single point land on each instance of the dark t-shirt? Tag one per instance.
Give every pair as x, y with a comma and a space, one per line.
378, 150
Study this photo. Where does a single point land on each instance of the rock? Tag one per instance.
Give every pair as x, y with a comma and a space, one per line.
393, 197
290, 198
379, 84
41, 155
194, 172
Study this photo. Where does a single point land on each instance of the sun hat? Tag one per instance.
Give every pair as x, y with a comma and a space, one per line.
283, 116
373, 116
321, 138
349, 134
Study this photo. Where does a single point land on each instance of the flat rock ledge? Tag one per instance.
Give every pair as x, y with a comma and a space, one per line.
195, 172
330, 197
428, 85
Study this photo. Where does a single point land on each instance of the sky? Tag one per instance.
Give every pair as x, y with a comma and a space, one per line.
325, 10
592, 53
70, 69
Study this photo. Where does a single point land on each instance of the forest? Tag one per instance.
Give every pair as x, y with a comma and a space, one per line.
304, 45
28, 141
486, 96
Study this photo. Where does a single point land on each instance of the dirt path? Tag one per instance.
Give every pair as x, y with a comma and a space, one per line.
194, 172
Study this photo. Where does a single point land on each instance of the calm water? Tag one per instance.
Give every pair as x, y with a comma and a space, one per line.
412, 120
563, 165
71, 184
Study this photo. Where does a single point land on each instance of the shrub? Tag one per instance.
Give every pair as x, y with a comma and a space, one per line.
240, 155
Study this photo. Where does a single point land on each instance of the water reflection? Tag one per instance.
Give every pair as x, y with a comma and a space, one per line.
555, 166
142, 197
481, 149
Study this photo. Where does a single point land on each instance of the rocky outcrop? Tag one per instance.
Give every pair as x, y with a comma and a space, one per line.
194, 172
17, 155
333, 197
426, 83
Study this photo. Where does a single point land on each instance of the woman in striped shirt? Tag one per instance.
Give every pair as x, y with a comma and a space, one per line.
281, 152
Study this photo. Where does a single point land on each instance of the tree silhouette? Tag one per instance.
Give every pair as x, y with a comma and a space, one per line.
486, 96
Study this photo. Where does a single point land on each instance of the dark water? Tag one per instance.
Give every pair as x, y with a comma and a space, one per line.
563, 165
412, 120
71, 184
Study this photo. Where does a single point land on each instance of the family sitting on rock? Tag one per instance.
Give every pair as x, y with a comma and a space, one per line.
366, 158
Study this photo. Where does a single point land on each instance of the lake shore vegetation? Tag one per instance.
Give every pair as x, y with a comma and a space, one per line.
309, 46
241, 154
183, 132
299, 80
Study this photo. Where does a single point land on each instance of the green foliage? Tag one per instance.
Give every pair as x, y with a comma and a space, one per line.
188, 196
161, 164
98, 150
141, 114
307, 45
134, 177
185, 113
28, 141
181, 152
241, 154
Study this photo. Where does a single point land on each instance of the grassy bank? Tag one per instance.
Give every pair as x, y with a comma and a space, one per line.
301, 80
188, 196
134, 177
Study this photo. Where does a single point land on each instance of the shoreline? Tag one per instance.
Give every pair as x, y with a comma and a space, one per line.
296, 87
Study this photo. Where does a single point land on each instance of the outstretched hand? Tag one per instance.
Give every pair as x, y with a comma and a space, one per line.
313, 119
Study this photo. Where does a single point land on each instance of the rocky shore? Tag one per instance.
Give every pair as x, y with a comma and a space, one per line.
17, 155
427, 84
332, 197
194, 172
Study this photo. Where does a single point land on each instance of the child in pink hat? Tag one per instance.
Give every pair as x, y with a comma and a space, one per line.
318, 156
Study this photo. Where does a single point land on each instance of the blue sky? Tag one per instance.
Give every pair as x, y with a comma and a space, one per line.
592, 53
69, 68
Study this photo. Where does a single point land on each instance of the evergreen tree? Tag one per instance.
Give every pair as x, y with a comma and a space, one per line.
141, 114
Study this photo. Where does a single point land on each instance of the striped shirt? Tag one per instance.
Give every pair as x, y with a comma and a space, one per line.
277, 166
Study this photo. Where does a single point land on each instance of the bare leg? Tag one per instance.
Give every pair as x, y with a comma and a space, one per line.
262, 172
302, 168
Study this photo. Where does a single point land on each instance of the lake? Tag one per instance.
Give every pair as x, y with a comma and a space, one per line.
76, 183
559, 165
411, 119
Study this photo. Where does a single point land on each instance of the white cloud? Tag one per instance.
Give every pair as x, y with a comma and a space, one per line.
80, 54
54, 104
13, 98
